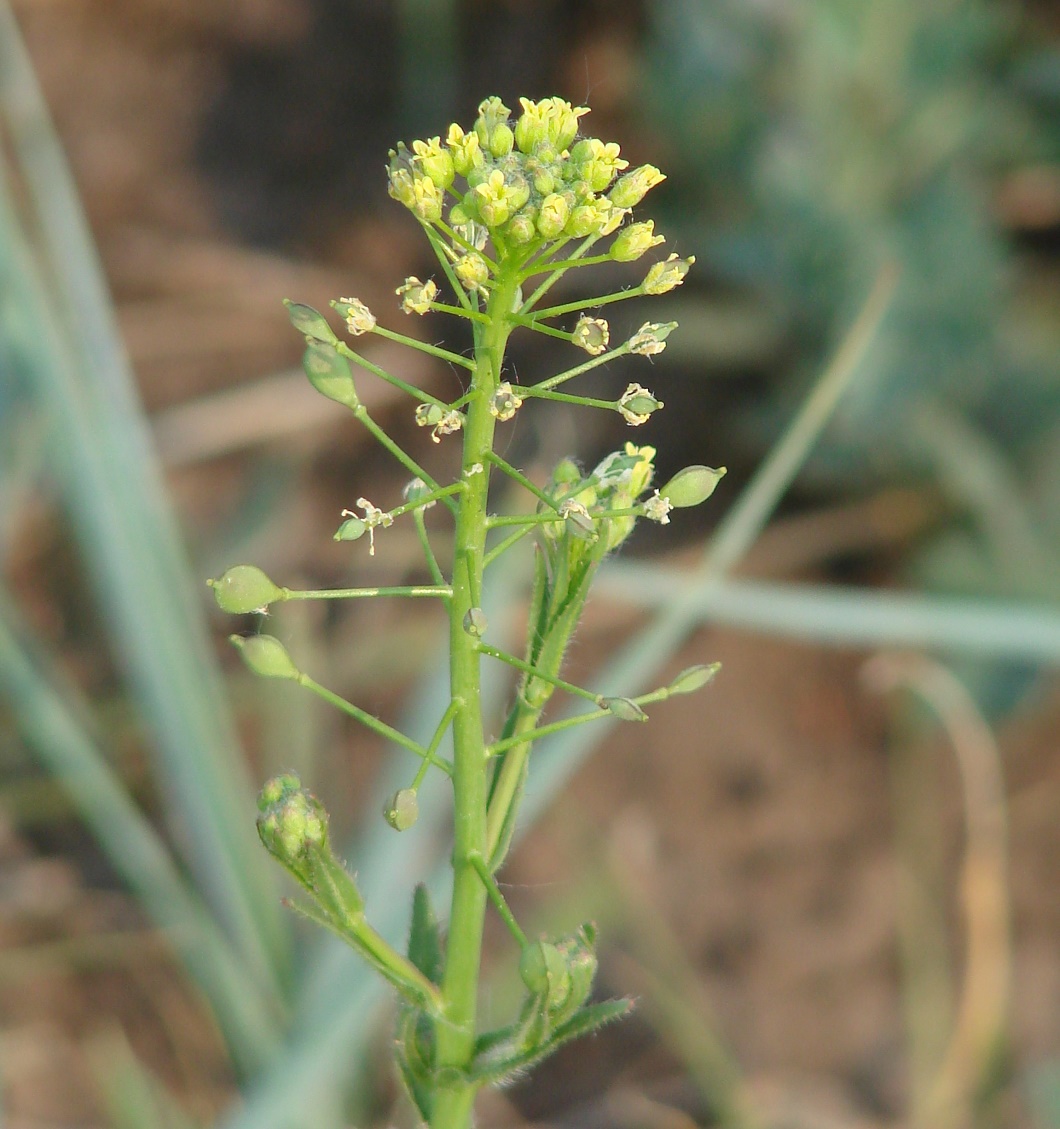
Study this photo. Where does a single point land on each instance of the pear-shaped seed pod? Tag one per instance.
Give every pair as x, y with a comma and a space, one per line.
692, 485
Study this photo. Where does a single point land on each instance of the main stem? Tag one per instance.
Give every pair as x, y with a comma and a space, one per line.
455, 1033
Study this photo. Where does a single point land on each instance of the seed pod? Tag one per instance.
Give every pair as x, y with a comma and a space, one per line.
625, 709
475, 623
309, 322
691, 486
544, 972
243, 589
266, 656
402, 809
352, 529
694, 678
329, 374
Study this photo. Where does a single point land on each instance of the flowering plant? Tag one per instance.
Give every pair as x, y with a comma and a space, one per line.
508, 207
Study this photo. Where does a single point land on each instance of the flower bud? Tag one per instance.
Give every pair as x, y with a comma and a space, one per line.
553, 215
694, 678
266, 656
472, 270
630, 189
501, 140
358, 317
402, 809
435, 162
491, 113
625, 709
666, 275
465, 150
591, 334
329, 373
292, 823
588, 219
650, 339
244, 589
475, 623
531, 129
427, 199
691, 486
631, 242
521, 227
400, 177
596, 162
309, 322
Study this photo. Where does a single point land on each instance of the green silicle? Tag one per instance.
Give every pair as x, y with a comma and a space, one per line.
508, 207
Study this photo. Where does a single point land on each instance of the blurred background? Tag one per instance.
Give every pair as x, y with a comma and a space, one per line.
831, 878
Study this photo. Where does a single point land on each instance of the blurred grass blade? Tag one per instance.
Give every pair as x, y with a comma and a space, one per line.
135, 850
134, 1099
117, 505
851, 617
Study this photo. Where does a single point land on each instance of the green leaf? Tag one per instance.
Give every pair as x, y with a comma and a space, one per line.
425, 937
495, 1071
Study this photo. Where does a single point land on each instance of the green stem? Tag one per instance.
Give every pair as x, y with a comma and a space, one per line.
442, 590
529, 668
499, 901
455, 1033
502, 547
395, 381
592, 304
518, 476
563, 377
428, 552
424, 347
374, 723
565, 398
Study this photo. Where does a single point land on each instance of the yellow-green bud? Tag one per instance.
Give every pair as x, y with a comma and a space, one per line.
521, 227
553, 215
631, 242
691, 486
694, 678
501, 140
472, 270
492, 112
399, 181
597, 163
591, 334
243, 589
277, 789
402, 809
329, 373
465, 150
630, 189
266, 656
309, 322
435, 162
427, 199
666, 275
531, 129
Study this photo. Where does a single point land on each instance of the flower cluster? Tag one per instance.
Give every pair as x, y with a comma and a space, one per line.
524, 181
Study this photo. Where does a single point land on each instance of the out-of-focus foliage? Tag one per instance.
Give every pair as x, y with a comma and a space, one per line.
814, 141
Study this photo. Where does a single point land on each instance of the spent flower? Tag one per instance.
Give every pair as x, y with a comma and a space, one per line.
650, 339
416, 297
591, 334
